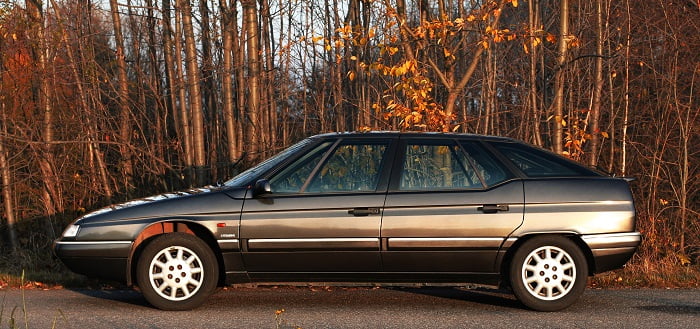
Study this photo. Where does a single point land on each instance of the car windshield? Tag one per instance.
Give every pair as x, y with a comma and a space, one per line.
247, 176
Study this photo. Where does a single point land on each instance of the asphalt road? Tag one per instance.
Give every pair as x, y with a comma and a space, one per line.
337, 307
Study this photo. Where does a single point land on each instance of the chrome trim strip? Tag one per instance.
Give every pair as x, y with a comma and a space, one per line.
612, 240
229, 244
93, 242
314, 243
227, 241
285, 240
601, 252
448, 239
418, 243
609, 202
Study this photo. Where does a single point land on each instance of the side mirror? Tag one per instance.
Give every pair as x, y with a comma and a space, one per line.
261, 187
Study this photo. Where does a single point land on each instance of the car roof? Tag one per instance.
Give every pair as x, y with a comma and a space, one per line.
372, 134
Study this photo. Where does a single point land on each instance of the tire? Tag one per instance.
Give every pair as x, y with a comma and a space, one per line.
176, 272
548, 273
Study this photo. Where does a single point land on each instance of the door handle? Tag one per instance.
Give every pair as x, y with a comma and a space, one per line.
493, 208
363, 211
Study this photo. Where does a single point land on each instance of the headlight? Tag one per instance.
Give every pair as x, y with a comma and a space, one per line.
71, 231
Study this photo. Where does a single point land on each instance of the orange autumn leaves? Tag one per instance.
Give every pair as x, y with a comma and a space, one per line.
413, 62
408, 103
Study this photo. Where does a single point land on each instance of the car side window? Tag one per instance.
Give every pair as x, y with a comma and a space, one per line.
352, 167
293, 177
537, 163
489, 169
437, 166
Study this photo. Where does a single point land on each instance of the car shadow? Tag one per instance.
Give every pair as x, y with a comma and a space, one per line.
673, 309
126, 296
485, 296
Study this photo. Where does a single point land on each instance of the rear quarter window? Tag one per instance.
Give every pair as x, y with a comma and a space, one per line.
488, 168
534, 162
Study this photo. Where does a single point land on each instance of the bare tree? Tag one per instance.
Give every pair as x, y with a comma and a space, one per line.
51, 193
125, 121
84, 103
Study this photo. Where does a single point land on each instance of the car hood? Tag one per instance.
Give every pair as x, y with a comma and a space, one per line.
189, 202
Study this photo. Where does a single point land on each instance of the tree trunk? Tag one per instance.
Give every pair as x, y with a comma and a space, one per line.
195, 99
228, 20
208, 93
534, 24
557, 138
171, 88
253, 83
625, 115
598, 91
7, 194
238, 48
336, 72
160, 98
123, 90
285, 64
269, 103
182, 96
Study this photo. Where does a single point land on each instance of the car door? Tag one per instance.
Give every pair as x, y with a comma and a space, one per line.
323, 213
450, 207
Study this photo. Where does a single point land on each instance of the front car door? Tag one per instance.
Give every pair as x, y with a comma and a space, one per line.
450, 208
323, 214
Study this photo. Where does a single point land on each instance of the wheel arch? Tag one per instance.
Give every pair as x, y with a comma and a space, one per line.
508, 257
171, 226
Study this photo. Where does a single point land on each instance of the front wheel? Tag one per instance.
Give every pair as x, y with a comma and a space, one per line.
177, 271
548, 273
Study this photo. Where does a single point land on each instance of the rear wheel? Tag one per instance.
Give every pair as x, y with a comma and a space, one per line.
177, 271
548, 273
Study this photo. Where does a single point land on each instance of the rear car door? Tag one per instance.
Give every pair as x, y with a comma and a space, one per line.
450, 208
323, 213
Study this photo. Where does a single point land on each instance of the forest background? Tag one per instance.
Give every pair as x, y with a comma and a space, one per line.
105, 101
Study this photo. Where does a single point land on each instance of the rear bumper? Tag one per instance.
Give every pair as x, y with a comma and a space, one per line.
95, 259
611, 251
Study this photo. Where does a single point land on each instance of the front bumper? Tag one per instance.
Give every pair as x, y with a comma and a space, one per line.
95, 259
611, 251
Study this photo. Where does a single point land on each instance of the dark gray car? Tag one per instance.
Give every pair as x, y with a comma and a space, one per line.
371, 207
